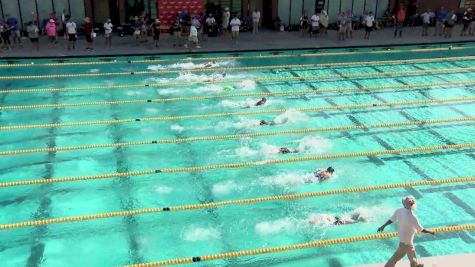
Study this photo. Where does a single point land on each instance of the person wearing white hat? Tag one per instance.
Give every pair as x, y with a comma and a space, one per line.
407, 226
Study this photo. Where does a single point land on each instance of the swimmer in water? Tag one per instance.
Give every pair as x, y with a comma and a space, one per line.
354, 218
259, 103
284, 150
209, 64
321, 175
217, 77
266, 123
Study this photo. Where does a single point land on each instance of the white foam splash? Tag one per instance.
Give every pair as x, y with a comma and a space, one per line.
285, 179
169, 91
194, 233
211, 88
192, 65
94, 70
177, 128
225, 188
131, 93
146, 130
246, 151
287, 225
321, 219
291, 116
163, 190
313, 145
151, 110
242, 123
246, 85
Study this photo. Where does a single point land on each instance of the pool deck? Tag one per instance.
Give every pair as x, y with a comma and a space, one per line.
265, 40
460, 260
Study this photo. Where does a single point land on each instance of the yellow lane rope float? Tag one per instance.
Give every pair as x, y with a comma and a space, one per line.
244, 253
236, 136
128, 73
222, 81
223, 96
233, 165
111, 62
229, 114
247, 201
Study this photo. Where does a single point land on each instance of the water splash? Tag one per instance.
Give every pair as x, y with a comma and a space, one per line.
177, 128
194, 233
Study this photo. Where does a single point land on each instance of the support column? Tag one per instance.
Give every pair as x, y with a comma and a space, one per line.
89, 9
245, 8
121, 11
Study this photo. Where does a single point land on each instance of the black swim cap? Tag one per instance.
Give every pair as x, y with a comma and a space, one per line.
330, 170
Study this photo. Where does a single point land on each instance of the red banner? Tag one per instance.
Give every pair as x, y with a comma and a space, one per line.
168, 9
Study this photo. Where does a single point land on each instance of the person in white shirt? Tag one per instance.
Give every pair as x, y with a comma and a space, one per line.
108, 32
225, 18
256, 17
368, 22
235, 25
315, 22
71, 31
193, 38
407, 226
426, 19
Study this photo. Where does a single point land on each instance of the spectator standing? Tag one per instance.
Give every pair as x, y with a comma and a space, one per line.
196, 21
72, 32
211, 23
108, 27
426, 19
466, 20
14, 29
193, 38
5, 33
33, 34
88, 31
369, 23
342, 24
441, 16
235, 25
175, 31
315, 21
323, 22
349, 27
449, 24
407, 226
156, 31
51, 32
400, 18
303, 23
225, 18
256, 18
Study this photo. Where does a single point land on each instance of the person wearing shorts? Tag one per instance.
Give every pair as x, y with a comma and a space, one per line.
426, 18
33, 34
71, 31
303, 23
108, 32
315, 22
466, 20
175, 31
449, 24
88, 31
14, 29
156, 31
368, 22
342, 24
193, 38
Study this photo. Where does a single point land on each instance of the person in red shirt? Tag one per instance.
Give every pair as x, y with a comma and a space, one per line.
88, 31
400, 18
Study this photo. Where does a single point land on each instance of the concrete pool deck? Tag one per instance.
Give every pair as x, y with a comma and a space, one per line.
265, 40
459, 260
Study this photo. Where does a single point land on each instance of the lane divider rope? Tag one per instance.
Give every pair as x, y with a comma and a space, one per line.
235, 136
128, 73
244, 253
247, 201
181, 84
223, 96
234, 165
33, 64
230, 114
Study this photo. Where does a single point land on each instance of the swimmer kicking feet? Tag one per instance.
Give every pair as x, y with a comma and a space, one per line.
261, 102
354, 218
266, 123
284, 150
209, 64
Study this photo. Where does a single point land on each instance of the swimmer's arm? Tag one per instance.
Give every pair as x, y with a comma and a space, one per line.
380, 229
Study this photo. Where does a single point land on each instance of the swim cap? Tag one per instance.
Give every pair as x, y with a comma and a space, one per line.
330, 170
228, 87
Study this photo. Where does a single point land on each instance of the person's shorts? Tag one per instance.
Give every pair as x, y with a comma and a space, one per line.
369, 29
447, 25
304, 26
15, 33
342, 28
323, 26
72, 37
156, 37
34, 40
193, 39
88, 38
425, 25
51, 38
107, 35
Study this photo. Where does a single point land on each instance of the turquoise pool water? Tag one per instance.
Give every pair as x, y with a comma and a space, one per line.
167, 235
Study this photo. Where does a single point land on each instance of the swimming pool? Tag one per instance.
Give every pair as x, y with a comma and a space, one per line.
90, 118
